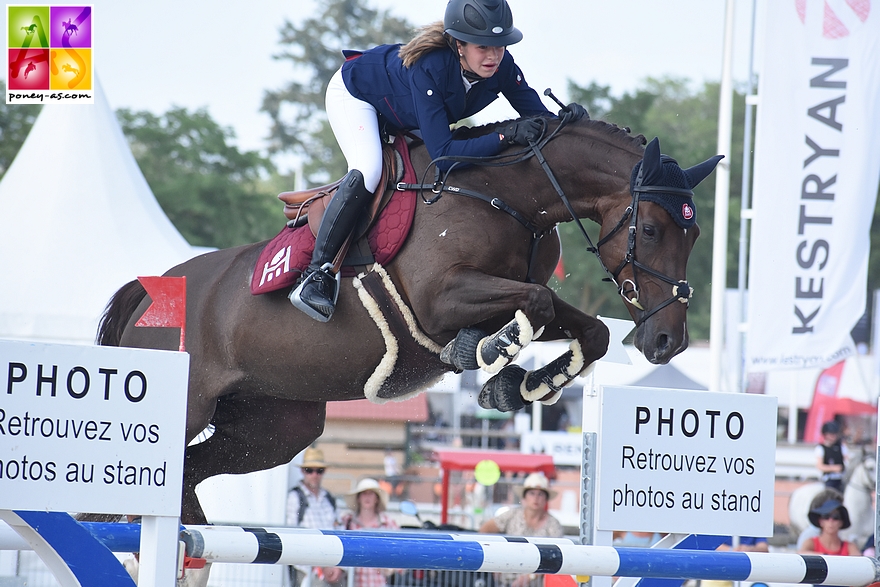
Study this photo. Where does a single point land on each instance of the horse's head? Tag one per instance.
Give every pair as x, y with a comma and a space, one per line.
646, 252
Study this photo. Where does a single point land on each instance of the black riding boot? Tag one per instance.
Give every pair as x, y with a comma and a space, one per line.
318, 287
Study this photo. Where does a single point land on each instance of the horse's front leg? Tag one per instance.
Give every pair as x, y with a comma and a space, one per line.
514, 387
473, 349
469, 301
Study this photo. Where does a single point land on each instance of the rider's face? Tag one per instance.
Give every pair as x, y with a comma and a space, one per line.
480, 59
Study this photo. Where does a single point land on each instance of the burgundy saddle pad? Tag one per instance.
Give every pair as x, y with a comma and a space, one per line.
285, 257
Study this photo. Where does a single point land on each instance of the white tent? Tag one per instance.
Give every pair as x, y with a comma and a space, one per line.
77, 221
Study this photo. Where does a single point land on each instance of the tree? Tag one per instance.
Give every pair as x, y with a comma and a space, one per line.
213, 193
16, 121
314, 49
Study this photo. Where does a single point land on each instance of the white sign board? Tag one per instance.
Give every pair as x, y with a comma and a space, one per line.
686, 462
92, 429
566, 448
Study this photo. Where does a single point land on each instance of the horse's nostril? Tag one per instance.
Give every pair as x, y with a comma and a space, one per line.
662, 342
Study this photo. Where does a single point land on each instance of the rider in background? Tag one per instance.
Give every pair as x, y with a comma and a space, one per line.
831, 456
449, 71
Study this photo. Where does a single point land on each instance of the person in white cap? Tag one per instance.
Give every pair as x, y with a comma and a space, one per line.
531, 519
368, 503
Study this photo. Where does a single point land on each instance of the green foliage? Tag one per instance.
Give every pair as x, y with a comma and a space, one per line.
214, 194
314, 49
687, 123
16, 121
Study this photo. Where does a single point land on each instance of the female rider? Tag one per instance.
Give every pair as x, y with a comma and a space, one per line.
449, 71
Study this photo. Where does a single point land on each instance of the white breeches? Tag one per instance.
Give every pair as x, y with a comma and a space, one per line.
356, 126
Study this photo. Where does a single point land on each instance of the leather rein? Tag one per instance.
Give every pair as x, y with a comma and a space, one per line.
628, 289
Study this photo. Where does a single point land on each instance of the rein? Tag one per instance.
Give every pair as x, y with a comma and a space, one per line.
681, 290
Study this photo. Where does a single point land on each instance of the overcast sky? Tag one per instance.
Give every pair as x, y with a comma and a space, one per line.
152, 54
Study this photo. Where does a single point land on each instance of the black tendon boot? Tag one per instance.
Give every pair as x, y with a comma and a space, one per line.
318, 287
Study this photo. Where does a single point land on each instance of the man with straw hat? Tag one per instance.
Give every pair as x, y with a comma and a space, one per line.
311, 506
531, 519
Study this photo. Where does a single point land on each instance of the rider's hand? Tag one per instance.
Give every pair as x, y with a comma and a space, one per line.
577, 112
520, 132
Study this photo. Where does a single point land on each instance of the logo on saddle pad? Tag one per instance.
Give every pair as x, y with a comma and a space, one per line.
278, 265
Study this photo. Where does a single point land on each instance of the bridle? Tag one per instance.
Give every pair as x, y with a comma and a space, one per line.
681, 290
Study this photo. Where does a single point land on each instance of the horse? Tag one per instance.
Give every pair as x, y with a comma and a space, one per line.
69, 27
470, 282
858, 497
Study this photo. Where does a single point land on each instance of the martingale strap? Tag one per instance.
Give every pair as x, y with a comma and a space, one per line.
440, 186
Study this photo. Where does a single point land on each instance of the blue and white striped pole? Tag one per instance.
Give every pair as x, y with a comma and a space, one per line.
490, 553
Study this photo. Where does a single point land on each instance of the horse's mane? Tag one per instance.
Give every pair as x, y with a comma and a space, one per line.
599, 127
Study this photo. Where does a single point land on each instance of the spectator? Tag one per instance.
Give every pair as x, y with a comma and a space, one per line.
311, 506
368, 503
830, 517
810, 531
831, 456
531, 519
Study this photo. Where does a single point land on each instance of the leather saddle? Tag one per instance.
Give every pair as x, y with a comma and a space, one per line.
307, 206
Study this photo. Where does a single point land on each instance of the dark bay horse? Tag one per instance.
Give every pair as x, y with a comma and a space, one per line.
471, 283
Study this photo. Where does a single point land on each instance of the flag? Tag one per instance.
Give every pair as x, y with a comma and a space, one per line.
815, 181
559, 272
824, 400
168, 309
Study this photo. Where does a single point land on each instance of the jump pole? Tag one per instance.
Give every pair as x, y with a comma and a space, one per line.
515, 555
491, 553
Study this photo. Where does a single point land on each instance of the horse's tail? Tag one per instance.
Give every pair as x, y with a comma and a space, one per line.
118, 311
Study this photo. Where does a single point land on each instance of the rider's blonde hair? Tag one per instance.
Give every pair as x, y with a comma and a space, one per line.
428, 38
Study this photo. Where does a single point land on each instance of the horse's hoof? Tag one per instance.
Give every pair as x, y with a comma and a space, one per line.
461, 352
502, 392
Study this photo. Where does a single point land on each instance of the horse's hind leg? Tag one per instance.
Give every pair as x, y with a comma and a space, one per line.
251, 433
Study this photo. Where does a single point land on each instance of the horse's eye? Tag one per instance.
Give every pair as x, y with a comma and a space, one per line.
648, 230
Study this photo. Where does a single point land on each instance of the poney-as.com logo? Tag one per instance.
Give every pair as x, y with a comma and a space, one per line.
838, 17
49, 54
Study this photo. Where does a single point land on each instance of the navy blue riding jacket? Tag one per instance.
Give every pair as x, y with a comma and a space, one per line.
430, 95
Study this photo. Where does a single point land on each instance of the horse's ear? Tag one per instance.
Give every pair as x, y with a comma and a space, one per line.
700, 171
652, 169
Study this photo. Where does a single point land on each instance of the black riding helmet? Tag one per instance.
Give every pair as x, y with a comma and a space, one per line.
482, 22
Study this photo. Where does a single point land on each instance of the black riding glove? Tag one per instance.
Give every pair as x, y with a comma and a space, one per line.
577, 112
520, 132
